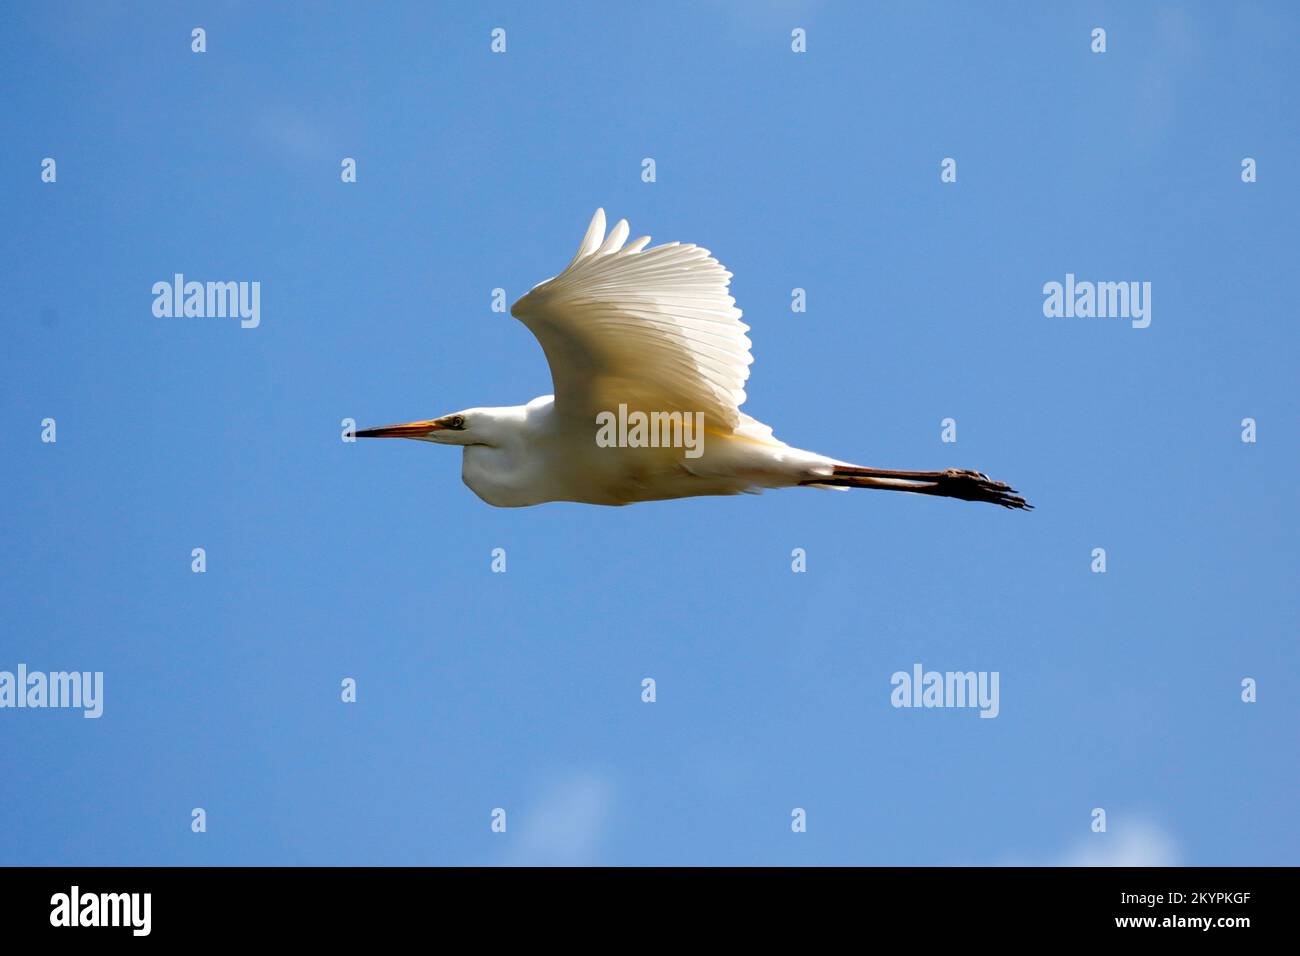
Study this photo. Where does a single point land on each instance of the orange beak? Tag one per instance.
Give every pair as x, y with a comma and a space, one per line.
409, 430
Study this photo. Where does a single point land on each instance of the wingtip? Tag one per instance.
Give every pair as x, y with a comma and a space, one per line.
594, 236
614, 241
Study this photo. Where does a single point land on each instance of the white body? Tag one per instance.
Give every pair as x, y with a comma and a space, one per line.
542, 456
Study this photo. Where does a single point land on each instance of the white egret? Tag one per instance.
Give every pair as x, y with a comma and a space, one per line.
648, 361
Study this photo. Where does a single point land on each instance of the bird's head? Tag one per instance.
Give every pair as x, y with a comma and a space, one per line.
455, 429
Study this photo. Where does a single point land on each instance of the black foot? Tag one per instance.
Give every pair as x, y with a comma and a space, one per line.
976, 486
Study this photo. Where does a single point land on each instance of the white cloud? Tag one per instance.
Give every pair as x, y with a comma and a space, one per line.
1137, 843
292, 135
1127, 842
566, 827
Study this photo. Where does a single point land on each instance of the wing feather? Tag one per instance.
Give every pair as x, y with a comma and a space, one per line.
652, 328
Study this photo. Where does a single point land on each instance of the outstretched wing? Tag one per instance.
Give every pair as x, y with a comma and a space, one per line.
652, 329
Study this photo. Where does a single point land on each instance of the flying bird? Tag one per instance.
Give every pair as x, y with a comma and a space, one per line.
648, 362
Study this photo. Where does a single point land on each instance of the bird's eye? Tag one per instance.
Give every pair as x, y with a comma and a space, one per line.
456, 421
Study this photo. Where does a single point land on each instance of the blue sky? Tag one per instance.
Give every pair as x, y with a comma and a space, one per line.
523, 690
